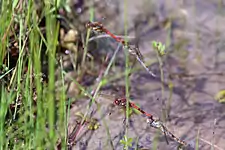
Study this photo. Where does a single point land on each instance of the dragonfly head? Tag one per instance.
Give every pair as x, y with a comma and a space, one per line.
120, 102
117, 102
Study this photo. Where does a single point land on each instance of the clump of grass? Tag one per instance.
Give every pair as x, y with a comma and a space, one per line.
28, 107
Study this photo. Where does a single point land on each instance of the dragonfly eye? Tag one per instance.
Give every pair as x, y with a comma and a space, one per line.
88, 24
117, 102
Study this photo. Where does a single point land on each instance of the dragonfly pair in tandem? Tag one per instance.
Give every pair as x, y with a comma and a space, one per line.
98, 27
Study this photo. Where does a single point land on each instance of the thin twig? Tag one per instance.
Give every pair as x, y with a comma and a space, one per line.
211, 144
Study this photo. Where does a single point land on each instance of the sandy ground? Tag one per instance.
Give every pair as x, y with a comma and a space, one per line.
197, 42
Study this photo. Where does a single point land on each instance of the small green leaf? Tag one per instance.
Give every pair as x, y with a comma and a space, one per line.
126, 141
220, 96
130, 140
159, 47
93, 126
154, 44
122, 142
104, 81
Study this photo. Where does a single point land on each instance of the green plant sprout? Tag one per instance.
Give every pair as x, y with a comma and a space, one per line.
220, 96
92, 122
126, 141
159, 47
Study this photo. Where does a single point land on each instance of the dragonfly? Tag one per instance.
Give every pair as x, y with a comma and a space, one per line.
98, 27
121, 102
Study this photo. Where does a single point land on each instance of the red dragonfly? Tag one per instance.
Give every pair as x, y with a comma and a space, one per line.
98, 27
121, 102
